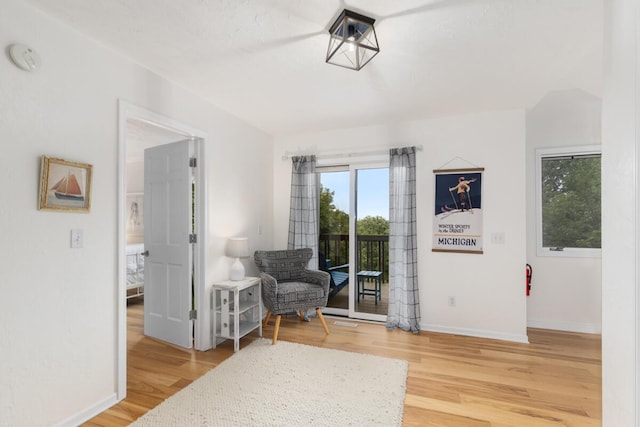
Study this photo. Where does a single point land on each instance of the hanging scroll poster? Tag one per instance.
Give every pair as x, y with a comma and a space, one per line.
457, 225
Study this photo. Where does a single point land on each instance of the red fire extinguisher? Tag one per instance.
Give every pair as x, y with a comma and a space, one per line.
529, 274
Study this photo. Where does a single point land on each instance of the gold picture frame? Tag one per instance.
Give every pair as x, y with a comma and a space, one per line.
64, 185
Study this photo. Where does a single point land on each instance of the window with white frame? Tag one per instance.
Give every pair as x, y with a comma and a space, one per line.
568, 201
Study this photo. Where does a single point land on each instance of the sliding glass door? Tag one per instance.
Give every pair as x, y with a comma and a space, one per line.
371, 251
354, 238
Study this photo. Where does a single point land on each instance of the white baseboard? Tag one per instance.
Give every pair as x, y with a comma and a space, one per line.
585, 328
480, 333
90, 412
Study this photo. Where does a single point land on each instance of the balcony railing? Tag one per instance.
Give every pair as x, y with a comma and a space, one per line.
372, 252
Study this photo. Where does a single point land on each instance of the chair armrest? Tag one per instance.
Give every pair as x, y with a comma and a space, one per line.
318, 277
269, 284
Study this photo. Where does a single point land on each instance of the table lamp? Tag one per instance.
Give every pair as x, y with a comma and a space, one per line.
237, 247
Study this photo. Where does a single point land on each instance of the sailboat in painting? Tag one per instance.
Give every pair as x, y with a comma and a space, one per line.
68, 188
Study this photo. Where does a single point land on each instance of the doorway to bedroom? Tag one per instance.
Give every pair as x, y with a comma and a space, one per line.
140, 135
162, 202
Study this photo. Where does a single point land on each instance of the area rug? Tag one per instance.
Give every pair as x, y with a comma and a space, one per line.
289, 384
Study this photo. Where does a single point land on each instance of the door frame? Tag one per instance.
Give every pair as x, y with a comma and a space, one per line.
353, 237
332, 168
128, 111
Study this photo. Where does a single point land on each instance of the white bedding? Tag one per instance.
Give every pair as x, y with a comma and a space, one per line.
135, 266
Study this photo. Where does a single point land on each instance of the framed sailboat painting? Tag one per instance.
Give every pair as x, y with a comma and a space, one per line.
64, 185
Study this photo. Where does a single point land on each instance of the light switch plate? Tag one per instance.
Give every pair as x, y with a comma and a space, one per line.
77, 238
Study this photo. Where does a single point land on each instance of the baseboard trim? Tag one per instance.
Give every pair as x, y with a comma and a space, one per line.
90, 412
479, 333
584, 328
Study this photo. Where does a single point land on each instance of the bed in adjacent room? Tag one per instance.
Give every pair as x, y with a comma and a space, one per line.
135, 270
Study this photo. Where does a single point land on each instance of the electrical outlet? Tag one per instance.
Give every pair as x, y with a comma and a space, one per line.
452, 301
497, 238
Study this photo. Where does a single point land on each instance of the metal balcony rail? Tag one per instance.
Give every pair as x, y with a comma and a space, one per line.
372, 252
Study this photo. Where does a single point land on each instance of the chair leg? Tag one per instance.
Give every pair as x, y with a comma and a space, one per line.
321, 317
301, 314
277, 328
266, 319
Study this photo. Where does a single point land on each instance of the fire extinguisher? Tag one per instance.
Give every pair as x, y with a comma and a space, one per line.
528, 283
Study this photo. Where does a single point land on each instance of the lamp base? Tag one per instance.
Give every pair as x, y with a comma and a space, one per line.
237, 270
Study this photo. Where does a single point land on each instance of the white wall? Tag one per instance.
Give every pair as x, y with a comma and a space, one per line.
620, 215
566, 292
135, 177
59, 305
489, 288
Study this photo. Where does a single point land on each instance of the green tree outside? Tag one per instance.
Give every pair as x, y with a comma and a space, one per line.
373, 225
571, 202
332, 219
335, 222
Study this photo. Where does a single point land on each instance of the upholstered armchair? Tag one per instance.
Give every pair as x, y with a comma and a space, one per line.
289, 287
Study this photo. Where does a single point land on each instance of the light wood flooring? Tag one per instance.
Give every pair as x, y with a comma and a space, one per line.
453, 381
366, 304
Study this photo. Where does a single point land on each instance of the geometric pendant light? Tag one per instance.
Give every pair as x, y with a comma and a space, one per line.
353, 41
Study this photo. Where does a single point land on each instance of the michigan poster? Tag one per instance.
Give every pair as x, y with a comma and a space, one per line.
457, 224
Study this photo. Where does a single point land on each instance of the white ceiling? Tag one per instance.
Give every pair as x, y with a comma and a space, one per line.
263, 60
142, 135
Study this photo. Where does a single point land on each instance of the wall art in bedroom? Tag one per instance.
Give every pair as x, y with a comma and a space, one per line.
64, 185
135, 214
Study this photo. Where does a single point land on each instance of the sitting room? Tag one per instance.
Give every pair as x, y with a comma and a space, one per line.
419, 212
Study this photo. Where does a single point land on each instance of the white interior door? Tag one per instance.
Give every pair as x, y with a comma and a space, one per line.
168, 224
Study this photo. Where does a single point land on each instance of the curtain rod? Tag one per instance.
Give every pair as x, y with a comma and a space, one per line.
288, 154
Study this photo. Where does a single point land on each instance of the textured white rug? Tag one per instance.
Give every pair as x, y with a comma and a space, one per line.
289, 384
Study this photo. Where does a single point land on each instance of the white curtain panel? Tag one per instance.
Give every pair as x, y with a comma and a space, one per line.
404, 309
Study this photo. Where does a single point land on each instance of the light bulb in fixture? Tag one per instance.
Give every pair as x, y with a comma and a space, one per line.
357, 32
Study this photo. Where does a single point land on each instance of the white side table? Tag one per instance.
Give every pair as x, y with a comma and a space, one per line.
236, 309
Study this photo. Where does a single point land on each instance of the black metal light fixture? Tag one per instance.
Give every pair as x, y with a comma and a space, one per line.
353, 41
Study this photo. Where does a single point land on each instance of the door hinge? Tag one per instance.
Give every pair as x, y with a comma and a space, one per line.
192, 162
193, 314
193, 238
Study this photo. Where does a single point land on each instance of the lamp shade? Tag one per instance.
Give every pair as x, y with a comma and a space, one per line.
353, 42
238, 247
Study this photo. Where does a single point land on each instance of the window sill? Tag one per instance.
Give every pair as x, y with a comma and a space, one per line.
569, 253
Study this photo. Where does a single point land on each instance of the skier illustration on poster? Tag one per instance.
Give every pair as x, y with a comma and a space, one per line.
462, 189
